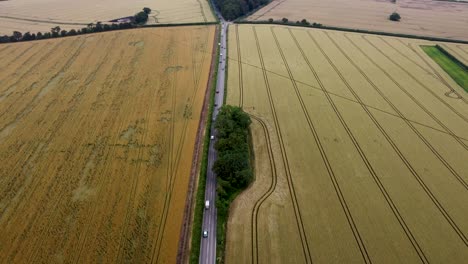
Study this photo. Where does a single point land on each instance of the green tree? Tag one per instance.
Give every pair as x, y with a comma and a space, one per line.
395, 16
17, 36
27, 36
55, 31
72, 32
285, 20
141, 17
147, 10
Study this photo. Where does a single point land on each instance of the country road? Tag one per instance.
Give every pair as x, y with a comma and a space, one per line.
208, 244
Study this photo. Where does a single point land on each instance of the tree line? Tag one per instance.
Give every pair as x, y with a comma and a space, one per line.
232, 9
56, 32
233, 166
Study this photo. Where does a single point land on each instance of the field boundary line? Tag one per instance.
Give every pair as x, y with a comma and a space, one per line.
355, 142
292, 192
415, 79
331, 173
405, 161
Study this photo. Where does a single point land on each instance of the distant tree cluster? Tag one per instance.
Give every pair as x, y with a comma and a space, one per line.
142, 16
57, 32
232, 9
303, 22
395, 16
233, 166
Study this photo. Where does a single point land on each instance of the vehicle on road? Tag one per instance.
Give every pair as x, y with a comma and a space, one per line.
212, 137
207, 202
205, 234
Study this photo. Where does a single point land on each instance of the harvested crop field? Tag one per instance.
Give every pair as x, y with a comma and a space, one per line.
361, 143
419, 17
97, 134
42, 15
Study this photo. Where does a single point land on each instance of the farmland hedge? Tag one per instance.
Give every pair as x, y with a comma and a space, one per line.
233, 165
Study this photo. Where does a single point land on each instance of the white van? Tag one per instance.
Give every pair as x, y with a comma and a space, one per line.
207, 204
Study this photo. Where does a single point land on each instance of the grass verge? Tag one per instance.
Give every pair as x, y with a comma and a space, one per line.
200, 196
450, 65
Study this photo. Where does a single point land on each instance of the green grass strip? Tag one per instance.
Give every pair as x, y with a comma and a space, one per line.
450, 66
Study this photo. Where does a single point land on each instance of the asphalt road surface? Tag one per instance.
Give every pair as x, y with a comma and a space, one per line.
208, 244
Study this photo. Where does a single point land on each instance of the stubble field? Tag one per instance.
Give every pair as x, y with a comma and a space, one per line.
361, 143
97, 134
42, 15
419, 17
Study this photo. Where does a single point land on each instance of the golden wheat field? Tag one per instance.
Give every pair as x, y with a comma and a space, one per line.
361, 150
42, 15
436, 18
97, 134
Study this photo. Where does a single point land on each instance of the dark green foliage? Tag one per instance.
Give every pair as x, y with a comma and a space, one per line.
27, 36
4, 39
55, 31
270, 20
233, 169
72, 32
285, 20
395, 16
17, 36
232, 9
147, 10
141, 17
63, 33
98, 27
